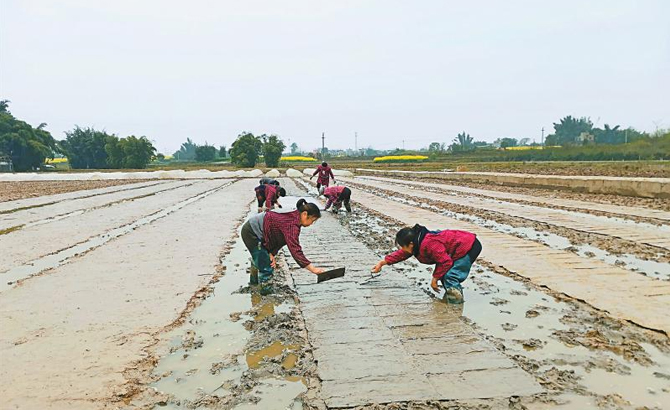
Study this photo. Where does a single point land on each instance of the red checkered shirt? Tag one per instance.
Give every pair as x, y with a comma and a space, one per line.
324, 173
281, 229
271, 195
333, 194
439, 249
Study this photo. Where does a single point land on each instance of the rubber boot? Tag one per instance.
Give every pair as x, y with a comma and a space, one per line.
453, 296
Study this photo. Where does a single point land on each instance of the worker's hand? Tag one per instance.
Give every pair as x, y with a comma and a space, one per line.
312, 177
314, 269
273, 261
378, 267
434, 285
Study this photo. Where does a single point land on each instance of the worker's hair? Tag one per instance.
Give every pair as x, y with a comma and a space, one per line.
324, 164
275, 183
405, 236
282, 192
303, 206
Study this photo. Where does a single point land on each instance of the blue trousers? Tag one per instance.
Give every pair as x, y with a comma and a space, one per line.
458, 273
261, 258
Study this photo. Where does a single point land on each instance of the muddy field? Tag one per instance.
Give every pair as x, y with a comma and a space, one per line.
137, 297
11, 191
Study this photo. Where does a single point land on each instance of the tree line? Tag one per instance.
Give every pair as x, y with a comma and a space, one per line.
85, 148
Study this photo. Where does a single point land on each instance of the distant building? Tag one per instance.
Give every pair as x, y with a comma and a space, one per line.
585, 139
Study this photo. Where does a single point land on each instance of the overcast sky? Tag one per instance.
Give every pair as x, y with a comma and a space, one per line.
413, 70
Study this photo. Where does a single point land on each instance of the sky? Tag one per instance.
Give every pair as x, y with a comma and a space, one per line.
394, 72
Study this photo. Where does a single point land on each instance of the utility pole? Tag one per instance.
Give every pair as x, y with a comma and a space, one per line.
542, 137
403, 145
626, 136
323, 146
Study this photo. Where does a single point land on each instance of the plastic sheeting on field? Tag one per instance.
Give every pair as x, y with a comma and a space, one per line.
273, 173
92, 176
293, 173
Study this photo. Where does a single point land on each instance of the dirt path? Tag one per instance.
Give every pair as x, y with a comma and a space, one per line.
553, 202
657, 236
98, 313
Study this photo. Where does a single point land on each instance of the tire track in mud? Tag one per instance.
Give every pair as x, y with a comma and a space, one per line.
29, 268
75, 331
650, 235
623, 294
639, 214
41, 201
67, 209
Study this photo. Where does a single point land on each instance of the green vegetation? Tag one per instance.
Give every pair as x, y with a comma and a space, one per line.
205, 153
87, 148
26, 146
272, 149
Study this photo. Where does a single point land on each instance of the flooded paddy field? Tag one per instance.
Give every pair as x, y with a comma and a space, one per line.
138, 297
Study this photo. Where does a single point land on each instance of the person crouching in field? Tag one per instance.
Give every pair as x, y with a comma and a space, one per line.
268, 181
325, 173
337, 195
452, 252
266, 233
268, 194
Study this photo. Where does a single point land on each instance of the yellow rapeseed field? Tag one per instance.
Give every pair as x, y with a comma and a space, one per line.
297, 159
400, 158
56, 161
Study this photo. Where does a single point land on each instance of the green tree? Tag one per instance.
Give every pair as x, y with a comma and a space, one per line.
462, 142
507, 142
568, 129
272, 149
187, 151
205, 153
223, 152
294, 149
245, 150
26, 146
434, 147
609, 135
85, 148
130, 152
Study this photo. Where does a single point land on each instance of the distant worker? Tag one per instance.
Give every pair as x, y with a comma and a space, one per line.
266, 233
452, 252
325, 173
268, 195
269, 181
337, 195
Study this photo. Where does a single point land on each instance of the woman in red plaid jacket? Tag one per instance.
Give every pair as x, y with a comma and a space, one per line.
452, 252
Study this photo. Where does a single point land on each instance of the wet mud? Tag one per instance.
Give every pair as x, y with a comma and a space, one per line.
651, 203
237, 349
584, 358
644, 259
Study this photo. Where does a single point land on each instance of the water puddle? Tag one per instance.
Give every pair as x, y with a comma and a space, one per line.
653, 269
10, 277
214, 359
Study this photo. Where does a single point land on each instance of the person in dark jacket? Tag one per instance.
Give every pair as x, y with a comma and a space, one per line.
451, 251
